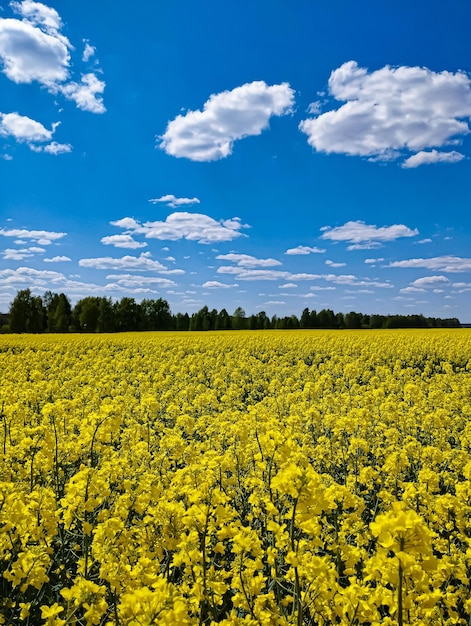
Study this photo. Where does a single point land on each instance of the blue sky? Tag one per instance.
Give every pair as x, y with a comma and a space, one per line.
257, 153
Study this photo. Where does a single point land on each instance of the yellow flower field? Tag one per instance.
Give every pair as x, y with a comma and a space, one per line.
260, 479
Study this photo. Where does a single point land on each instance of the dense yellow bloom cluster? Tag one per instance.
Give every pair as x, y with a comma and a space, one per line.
256, 479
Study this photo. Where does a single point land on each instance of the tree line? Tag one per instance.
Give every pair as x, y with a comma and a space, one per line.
54, 313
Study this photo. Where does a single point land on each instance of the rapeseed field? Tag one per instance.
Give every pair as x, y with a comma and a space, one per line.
236, 478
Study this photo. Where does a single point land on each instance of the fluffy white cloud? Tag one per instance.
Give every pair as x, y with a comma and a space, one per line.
288, 286
305, 250
57, 259
425, 157
30, 54
437, 263
366, 236
173, 201
24, 128
246, 260
391, 112
132, 280
429, 281
373, 261
43, 237
87, 94
333, 264
260, 274
34, 49
53, 148
215, 284
122, 241
88, 51
182, 225
209, 135
128, 262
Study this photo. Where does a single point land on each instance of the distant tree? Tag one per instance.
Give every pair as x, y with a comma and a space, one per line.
182, 321
353, 320
223, 320
305, 321
58, 312
86, 313
239, 321
156, 315
27, 313
127, 313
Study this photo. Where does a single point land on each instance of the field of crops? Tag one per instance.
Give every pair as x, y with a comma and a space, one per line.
268, 478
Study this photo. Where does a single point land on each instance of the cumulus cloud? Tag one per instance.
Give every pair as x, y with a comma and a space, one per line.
43, 237
57, 259
87, 94
429, 281
438, 263
425, 157
29, 131
333, 264
122, 241
215, 284
128, 262
181, 225
305, 250
209, 135
392, 112
133, 280
246, 260
33, 49
366, 236
88, 51
23, 128
174, 202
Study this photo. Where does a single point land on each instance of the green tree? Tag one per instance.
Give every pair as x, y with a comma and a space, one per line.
27, 313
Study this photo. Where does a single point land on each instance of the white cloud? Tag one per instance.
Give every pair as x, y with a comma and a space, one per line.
429, 281
366, 236
57, 259
412, 290
246, 260
173, 201
333, 264
30, 54
122, 241
29, 131
261, 274
43, 237
438, 263
142, 262
422, 241
23, 128
182, 225
391, 111
15, 254
432, 156
209, 135
53, 148
132, 280
215, 284
305, 250
87, 94
38, 14
33, 49
288, 286
372, 261
88, 51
